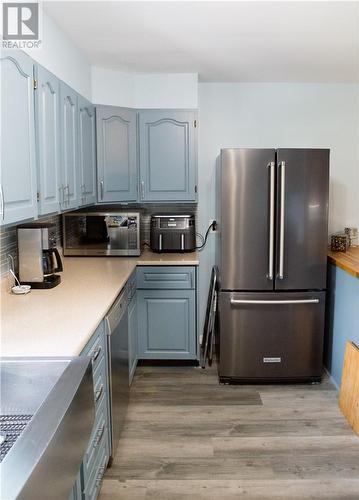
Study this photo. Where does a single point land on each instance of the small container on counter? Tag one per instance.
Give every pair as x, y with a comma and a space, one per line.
339, 242
352, 233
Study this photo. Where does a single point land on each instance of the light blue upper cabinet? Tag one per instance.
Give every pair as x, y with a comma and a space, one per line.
87, 151
69, 147
18, 168
47, 100
168, 155
116, 154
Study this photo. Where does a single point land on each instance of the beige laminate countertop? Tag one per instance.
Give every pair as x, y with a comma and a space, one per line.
60, 321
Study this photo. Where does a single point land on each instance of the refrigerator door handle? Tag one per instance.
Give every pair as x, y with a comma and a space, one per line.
235, 302
282, 220
271, 166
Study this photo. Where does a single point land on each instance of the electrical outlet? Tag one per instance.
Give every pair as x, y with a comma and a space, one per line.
214, 227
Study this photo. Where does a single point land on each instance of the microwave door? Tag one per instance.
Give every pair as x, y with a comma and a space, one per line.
117, 235
96, 232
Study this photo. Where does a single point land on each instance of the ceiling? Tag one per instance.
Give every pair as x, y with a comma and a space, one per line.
221, 41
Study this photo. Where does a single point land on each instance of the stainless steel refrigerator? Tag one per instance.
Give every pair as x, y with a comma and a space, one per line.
272, 254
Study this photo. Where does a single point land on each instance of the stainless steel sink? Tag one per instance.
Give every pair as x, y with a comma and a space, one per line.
46, 418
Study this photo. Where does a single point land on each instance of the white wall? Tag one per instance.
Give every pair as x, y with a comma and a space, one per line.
60, 56
279, 115
140, 90
113, 88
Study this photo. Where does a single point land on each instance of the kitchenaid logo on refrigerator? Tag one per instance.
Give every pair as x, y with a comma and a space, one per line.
21, 25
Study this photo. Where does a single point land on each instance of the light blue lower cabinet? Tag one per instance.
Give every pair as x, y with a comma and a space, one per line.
76, 493
132, 336
93, 484
96, 457
166, 324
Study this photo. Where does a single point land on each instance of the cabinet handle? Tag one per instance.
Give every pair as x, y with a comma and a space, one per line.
98, 393
98, 436
96, 353
2, 207
142, 190
63, 189
66, 189
83, 191
101, 188
100, 474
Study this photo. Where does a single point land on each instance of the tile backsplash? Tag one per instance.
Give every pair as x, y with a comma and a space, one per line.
8, 237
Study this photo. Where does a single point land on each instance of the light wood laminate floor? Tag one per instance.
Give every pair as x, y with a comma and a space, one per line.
187, 437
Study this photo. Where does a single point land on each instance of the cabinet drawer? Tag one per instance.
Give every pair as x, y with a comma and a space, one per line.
96, 347
93, 485
99, 439
170, 277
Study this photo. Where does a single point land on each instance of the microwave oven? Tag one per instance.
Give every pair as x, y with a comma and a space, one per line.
102, 233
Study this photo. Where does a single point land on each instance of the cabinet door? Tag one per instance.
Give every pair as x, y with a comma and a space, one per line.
87, 151
18, 168
69, 146
168, 155
166, 324
132, 337
48, 141
116, 154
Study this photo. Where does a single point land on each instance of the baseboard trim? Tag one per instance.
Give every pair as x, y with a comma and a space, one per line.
331, 378
168, 362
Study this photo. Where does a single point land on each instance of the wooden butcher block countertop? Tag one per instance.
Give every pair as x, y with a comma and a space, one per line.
349, 260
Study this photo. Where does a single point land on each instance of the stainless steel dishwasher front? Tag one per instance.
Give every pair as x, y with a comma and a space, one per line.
117, 337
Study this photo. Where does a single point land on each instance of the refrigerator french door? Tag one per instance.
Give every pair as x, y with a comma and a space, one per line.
273, 241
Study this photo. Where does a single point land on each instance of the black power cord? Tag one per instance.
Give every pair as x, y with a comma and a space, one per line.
214, 226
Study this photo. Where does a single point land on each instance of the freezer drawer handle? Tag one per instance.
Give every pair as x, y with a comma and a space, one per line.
235, 302
271, 166
282, 220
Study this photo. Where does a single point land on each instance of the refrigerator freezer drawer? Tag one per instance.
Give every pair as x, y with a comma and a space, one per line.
271, 336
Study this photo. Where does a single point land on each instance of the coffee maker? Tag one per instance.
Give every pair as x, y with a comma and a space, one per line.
39, 259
